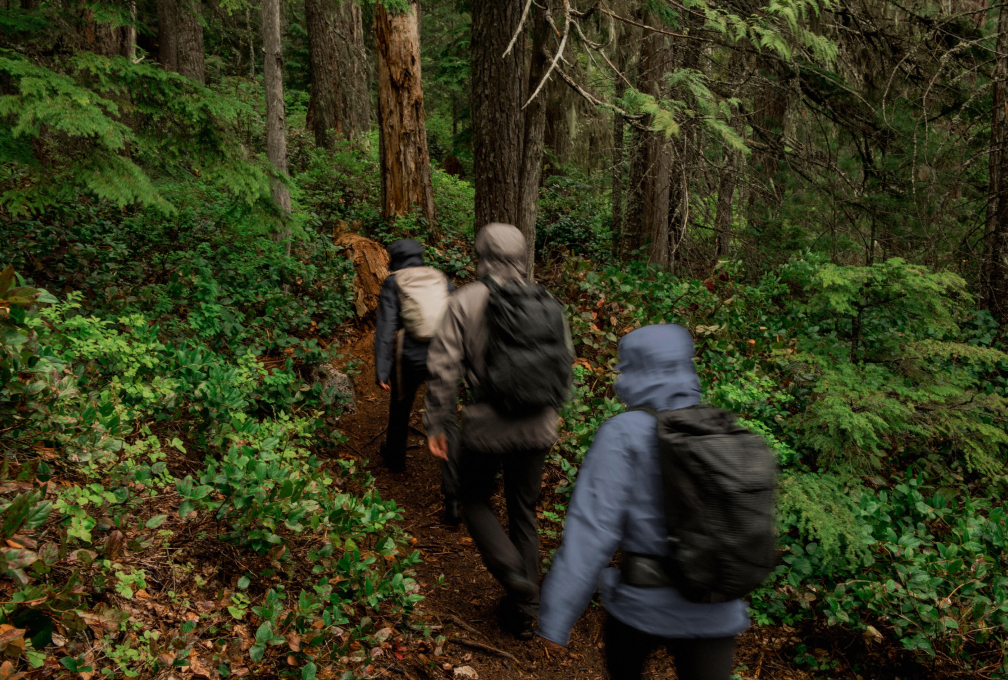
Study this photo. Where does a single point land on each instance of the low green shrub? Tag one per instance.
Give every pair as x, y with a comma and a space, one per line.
882, 393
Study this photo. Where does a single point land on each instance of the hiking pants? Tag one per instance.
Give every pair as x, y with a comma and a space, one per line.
627, 648
511, 556
400, 407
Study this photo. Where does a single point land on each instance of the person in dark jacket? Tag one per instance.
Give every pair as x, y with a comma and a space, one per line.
618, 502
491, 441
411, 369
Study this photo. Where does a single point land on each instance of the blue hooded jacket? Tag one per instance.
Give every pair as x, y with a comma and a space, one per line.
618, 502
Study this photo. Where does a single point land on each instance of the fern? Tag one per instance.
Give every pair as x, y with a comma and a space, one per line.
822, 507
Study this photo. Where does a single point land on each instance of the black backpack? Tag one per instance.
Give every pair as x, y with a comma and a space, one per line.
528, 364
718, 480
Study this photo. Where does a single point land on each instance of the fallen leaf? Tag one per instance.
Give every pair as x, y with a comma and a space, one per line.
8, 672
197, 667
294, 641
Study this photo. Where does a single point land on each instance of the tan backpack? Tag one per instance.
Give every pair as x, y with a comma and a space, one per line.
423, 299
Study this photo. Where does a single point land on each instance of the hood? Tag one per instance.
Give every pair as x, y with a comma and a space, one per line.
656, 368
405, 253
501, 251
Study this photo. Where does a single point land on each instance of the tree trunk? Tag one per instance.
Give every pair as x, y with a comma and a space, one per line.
190, 39
276, 129
723, 215
355, 70
131, 34
167, 13
619, 88
405, 162
994, 272
498, 87
532, 146
251, 42
324, 85
649, 175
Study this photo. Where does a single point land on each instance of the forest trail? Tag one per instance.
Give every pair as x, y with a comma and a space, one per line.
469, 594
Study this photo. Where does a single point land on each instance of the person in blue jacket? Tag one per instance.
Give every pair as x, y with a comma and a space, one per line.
618, 503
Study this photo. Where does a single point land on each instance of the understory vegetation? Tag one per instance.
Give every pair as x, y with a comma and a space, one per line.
172, 492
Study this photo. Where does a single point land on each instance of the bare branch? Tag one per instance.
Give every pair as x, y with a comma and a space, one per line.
521, 24
556, 57
639, 25
632, 118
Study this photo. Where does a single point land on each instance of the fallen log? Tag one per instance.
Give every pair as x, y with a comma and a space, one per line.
370, 261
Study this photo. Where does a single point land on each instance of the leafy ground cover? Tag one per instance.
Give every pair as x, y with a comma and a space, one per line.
883, 395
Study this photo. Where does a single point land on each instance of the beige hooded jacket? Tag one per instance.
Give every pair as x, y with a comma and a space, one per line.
459, 345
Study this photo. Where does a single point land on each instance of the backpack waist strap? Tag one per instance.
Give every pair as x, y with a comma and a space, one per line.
644, 571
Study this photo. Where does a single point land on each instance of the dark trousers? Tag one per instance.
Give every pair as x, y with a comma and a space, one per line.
397, 436
400, 407
512, 558
627, 649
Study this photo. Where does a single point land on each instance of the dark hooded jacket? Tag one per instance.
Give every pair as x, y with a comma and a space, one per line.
402, 254
618, 502
458, 348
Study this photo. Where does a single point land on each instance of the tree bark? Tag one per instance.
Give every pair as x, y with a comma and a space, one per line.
355, 70
498, 86
324, 87
405, 161
190, 39
994, 271
251, 42
131, 34
167, 12
619, 88
532, 146
649, 175
276, 129
723, 214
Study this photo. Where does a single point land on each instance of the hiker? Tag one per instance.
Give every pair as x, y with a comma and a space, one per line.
412, 301
619, 502
512, 341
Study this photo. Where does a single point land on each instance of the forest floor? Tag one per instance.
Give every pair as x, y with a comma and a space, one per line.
463, 607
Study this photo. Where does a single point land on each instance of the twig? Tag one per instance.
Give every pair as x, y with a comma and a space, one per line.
462, 624
633, 119
556, 57
463, 642
380, 433
644, 26
401, 671
521, 23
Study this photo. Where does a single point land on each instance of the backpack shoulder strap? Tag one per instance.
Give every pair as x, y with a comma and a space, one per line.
489, 282
646, 409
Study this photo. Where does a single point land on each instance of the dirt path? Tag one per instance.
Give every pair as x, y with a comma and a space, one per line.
469, 594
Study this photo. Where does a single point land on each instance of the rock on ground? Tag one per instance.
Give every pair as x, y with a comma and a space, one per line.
330, 376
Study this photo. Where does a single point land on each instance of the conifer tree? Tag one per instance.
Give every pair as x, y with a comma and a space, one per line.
405, 161
190, 39
276, 128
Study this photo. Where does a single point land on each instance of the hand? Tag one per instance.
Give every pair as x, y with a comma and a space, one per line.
385, 386
439, 446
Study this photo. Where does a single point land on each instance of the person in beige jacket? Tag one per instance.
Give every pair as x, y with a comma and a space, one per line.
492, 440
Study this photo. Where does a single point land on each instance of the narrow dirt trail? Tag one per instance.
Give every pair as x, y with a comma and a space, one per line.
469, 595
